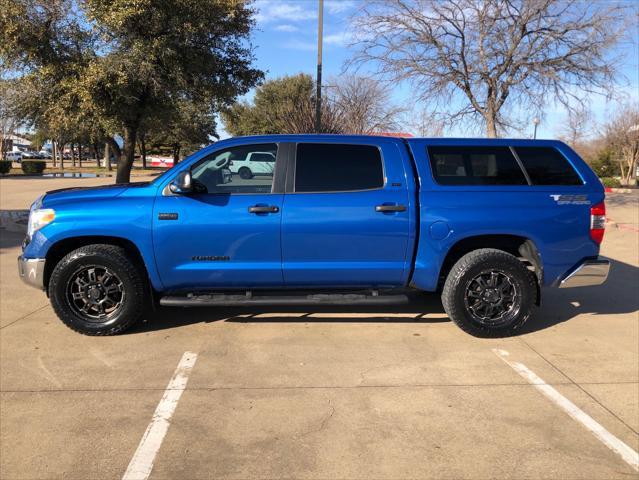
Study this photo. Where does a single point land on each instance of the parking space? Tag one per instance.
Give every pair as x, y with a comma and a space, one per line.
385, 392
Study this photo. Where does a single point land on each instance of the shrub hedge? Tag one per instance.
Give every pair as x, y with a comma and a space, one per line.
611, 182
4, 167
33, 167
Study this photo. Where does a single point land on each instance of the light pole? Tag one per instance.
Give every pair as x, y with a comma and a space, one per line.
318, 103
535, 123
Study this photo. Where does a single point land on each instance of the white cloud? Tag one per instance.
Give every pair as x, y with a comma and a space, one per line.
297, 44
269, 11
338, 6
339, 39
286, 28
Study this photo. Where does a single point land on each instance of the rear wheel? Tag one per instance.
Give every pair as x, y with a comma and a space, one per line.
98, 290
489, 293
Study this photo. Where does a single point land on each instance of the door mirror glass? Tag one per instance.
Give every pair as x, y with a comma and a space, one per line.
182, 183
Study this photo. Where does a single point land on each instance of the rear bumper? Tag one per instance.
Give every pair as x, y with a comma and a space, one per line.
31, 271
587, 274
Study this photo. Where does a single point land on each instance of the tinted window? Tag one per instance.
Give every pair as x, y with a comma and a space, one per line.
262, 157
547, 166
228, 171
322, 167
475, 166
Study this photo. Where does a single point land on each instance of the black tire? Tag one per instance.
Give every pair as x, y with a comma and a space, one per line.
489, 293
81, 270
245, 173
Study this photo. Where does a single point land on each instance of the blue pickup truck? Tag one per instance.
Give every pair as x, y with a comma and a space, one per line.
355, 220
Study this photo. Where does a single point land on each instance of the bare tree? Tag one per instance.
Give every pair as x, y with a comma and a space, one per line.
622, 135
300, 117
477, 59
364, 105
577, 125
423, 124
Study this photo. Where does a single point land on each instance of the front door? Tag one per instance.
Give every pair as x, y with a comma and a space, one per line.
226, 234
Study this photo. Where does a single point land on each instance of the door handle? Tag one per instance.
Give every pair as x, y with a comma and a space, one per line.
263, 209
390, 208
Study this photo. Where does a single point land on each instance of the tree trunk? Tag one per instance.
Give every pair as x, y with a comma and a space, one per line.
491, 125
127, 156
96, 154
176, 154
80, 155
143, 150
107, 156
54, 152
61, 152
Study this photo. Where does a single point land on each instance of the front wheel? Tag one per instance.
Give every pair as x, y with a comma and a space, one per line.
98, 290
489, 293
245, 173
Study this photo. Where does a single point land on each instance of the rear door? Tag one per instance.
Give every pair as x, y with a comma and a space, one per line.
346, 219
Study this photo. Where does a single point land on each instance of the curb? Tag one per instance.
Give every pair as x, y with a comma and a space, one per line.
14, 220
620, 190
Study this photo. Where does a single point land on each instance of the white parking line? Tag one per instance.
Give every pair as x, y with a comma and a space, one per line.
142, 462
613, 443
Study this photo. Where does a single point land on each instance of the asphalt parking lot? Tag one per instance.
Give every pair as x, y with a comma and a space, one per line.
390, 392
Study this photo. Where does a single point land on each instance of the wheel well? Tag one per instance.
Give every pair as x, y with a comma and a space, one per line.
521, 247
63, 247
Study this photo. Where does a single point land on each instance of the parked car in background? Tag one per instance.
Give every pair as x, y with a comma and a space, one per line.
45, 154
30, 155
255, 163
15, 156
357, 220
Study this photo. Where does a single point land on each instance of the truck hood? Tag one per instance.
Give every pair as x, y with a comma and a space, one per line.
81, 193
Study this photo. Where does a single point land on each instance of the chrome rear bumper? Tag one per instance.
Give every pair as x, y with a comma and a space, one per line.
589, 273
31, 271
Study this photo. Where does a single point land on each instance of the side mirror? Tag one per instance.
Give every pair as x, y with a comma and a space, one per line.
182, 183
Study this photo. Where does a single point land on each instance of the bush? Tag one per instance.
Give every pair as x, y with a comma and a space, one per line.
604, 166
611, 182
5, 167
33, 167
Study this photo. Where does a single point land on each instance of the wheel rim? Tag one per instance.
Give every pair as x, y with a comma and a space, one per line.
95, 293
492, 298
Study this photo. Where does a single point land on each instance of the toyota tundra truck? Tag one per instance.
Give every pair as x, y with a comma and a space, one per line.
347, 220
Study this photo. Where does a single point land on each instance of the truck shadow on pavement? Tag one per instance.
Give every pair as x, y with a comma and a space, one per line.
617, 296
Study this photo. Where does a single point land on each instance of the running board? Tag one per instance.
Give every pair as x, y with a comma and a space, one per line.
226, 300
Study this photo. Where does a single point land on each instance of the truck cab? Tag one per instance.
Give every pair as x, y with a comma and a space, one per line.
335, 219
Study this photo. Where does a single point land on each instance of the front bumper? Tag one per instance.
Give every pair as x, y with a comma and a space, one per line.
31, 271
587, 274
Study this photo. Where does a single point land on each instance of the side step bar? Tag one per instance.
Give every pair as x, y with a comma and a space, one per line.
227, 300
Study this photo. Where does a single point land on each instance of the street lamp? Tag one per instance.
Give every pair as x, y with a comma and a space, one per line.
535, 123
318, 104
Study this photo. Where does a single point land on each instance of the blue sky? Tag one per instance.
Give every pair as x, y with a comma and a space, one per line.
286, 43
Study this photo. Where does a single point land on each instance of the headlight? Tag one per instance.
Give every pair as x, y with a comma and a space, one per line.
38, 218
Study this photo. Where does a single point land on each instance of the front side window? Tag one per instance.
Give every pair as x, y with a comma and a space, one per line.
547, 166
475, 166
242, 169
329, 167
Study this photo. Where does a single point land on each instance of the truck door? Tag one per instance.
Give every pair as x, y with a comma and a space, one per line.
226, 234
346, 219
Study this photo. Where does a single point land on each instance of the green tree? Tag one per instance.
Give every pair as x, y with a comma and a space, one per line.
190, 127
99, 67
46, 51
162, 52
265, 114
281, 105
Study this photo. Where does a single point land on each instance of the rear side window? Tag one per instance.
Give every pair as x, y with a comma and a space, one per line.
547, 166
329, 167
475, 166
